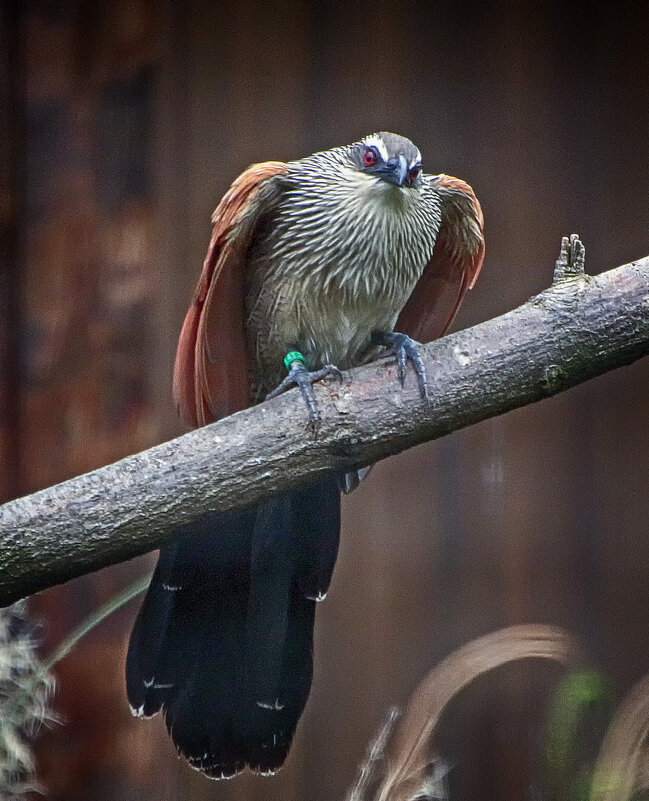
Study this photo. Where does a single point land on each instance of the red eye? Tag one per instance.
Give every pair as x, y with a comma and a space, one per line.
370, 158
414, 173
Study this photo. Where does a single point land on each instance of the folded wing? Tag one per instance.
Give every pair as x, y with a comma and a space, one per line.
212, 369
454, 267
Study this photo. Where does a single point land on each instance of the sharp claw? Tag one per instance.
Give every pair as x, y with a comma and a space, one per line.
305, 380
335, 372
421, 376
404, 348
301, 377
401, 365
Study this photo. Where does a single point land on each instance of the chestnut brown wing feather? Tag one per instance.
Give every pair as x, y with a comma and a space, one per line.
454, 267
212, 368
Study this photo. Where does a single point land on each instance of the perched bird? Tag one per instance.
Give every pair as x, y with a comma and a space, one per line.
314, 266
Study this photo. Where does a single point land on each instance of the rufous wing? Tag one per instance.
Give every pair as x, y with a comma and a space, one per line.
454, 266
212, 368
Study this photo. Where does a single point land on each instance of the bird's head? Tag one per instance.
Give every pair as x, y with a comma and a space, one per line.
389, 157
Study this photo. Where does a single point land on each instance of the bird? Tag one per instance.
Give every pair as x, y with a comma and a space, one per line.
314, 266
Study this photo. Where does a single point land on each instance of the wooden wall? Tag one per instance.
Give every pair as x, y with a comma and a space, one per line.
139, 115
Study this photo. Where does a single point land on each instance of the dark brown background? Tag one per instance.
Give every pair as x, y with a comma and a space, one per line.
121, 124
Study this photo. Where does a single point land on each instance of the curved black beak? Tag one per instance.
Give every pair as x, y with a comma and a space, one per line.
395, 171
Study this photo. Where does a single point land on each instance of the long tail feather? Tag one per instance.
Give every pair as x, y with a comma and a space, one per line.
223, 643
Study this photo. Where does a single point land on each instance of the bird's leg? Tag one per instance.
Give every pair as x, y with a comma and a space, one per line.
404, 348
299, 376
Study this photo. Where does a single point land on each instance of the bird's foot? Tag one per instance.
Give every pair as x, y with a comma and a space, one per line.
404, 348
299, 376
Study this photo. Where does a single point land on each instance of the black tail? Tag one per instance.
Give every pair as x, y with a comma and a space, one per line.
223, 642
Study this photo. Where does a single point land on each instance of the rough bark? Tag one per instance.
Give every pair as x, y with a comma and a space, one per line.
580, 327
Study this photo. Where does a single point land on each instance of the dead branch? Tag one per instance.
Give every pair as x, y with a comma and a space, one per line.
580, 327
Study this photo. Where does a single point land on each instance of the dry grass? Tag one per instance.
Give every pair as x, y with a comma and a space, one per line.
401, 765
25, 688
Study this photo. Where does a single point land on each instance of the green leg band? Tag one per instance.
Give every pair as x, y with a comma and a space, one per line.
292, 357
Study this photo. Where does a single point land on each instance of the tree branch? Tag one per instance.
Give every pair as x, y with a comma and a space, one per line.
580, 327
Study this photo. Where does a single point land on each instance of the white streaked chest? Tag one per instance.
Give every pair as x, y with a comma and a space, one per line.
343, 254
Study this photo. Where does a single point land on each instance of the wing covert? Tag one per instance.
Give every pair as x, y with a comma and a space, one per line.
454, 266
212, 367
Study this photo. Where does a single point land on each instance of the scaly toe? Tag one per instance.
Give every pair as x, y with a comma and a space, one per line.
404, 348
299, 376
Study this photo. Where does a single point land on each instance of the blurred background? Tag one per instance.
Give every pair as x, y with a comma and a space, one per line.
121, 125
